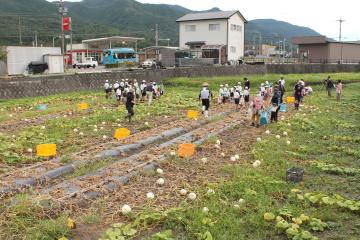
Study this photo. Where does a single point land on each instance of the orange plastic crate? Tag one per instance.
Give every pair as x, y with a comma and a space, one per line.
186, 150
121, 133
83, 106
192, 114
290, 99
46, 150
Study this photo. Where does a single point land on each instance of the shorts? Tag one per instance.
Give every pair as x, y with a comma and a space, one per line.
237, 101
143, 94
247, 98
298, 97
206, 103
108, 90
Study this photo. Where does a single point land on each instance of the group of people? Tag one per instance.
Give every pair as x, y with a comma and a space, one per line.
329, 84
269, 97
130, 92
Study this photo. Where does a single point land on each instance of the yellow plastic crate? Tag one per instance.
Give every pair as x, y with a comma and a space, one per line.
192, 114
121, 133
46, 150
83, 106
186, 150
290, 100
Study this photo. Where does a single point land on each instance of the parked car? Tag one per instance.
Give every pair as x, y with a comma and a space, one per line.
87, 63
149, 63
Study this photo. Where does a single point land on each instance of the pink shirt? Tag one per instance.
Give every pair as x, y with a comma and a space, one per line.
339, 88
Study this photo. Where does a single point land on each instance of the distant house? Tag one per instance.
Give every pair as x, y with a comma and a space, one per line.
319, 49
213, 34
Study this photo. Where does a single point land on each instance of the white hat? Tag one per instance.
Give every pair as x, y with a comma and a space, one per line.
106, 80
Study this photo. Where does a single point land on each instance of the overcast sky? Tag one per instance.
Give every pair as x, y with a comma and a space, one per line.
320, 15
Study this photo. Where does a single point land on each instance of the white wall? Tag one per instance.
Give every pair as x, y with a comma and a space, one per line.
202, 32
18, 58
55, 63
236, 38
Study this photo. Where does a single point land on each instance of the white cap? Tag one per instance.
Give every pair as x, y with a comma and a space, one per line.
106, 80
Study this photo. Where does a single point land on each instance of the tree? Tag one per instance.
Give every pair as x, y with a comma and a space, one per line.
2, 53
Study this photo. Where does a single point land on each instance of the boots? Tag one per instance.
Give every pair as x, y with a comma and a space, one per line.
206, 114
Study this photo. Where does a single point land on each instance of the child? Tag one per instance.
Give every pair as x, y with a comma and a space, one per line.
221, 94
130, 102
237, 97
339, 89
107, 88
275, 101
246, 98
118, 94
258, 105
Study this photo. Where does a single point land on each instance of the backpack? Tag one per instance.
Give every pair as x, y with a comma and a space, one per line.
258, 104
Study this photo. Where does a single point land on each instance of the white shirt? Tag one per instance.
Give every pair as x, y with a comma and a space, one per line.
246, 92
236, 95
116, 85
118, 92
107, 85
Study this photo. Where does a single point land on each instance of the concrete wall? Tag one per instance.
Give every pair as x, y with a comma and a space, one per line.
45, 85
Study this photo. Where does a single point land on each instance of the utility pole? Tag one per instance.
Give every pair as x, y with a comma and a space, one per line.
62, 13
20, 37
36, 38
341, 47
157, 35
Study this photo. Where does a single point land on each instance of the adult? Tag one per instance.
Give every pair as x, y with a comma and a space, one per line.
275, 102
247, 83
339, 89
298, 92
130, 102
281, 84
329, 85
205, 96
149, 92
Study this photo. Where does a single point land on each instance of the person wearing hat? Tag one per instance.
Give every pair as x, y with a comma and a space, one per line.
130, 102
275, 102
205, 96
246, 94
221, 94
258, 105
107, 88
143, 90
116, 86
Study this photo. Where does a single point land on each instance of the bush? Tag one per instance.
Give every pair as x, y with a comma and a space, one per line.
2, 53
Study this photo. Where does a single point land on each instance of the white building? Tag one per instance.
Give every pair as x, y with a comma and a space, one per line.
223, 28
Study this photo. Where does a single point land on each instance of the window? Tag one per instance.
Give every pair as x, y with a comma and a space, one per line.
235, 27
233, 49
214, 27
190, 28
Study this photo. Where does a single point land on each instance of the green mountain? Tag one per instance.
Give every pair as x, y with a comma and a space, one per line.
99, 18
272, 30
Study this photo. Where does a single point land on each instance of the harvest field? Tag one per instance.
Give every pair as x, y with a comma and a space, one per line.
234, 187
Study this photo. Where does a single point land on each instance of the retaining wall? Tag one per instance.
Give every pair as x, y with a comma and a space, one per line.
17, 87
